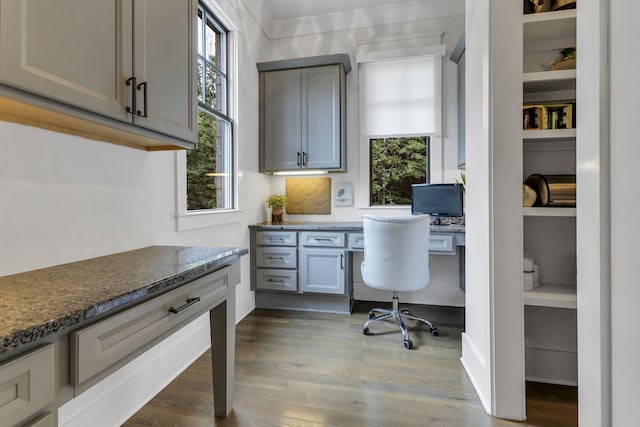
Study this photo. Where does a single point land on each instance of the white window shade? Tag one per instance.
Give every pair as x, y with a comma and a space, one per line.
401, 96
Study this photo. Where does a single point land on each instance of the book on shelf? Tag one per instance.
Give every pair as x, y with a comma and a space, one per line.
555, 115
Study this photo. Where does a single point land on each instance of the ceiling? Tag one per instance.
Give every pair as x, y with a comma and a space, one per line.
282, 10
286, 18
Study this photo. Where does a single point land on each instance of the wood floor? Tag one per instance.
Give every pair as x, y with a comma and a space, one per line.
300, 369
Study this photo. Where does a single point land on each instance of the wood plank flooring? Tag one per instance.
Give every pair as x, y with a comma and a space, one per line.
301, 369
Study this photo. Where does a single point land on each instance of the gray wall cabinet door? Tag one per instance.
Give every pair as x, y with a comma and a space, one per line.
67, 50
282, 124
302, 119
321, 117
83, 52
322, 271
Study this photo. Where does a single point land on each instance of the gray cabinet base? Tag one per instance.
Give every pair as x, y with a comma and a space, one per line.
306, 302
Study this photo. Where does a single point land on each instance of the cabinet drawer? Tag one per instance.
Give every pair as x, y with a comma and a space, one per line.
276, 238
277, 280
101, 345
26, 385
322, 238
441, 244
271, 257
356, 241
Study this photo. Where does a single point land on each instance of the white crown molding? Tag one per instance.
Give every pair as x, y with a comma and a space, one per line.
389, 14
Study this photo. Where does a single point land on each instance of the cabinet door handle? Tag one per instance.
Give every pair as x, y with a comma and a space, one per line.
298, 158
341, 261
131, 81
189, 303
143, 86
304, 158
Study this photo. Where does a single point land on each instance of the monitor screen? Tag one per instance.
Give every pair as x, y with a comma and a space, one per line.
437, 200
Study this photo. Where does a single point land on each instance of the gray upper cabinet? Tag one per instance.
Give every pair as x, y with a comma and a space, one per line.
302, 115
132, 61
68, 50
458, 57
282, 124
164, 58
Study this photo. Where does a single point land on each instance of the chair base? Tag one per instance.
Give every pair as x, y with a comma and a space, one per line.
396, 314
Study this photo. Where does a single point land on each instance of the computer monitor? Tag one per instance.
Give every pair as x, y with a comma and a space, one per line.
437, 200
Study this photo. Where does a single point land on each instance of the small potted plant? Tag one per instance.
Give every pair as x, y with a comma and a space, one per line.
277, 203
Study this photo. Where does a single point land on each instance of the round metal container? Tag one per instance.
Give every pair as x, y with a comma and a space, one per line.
553, 190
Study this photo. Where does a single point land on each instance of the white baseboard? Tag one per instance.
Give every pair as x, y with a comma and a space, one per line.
474, 365
115, 399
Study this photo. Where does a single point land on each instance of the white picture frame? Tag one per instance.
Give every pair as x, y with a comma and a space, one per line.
343, 195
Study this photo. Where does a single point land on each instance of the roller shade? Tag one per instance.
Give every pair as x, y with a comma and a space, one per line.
401, 96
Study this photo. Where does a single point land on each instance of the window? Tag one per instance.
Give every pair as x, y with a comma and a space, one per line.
400, 117
395, 164
210, 166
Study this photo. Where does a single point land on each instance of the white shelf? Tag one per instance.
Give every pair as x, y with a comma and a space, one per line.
552, 295
549, 81
560, 24
549, 134
548, 211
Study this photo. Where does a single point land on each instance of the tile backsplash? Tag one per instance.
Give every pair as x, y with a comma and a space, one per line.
308, 196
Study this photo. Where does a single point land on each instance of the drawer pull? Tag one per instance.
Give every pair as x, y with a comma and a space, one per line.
189, 303
276, 280
276, 239
276, 258
323, 239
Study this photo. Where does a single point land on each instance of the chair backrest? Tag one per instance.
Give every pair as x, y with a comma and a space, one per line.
396, 252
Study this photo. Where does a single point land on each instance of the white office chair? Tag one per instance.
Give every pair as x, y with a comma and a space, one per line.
396, 258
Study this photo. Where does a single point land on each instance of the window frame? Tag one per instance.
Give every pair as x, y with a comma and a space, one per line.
369, 176
435, 171
193, 219
434, 167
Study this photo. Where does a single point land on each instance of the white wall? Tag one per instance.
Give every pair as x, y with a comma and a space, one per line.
476, 340
625, 152
493, 343
444, 287
65, 198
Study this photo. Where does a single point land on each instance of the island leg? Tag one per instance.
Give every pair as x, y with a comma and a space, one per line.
223, 350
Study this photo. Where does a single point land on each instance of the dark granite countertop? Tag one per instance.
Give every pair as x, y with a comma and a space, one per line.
39, 303
340, 226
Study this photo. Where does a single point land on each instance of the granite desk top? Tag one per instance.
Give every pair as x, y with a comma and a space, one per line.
40, 303
355, 226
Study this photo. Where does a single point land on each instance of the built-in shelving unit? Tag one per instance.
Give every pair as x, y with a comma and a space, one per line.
550, 232
549, 135
552, 295
542, 211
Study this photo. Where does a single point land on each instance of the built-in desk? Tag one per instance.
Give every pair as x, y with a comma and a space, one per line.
309, 265
65, 328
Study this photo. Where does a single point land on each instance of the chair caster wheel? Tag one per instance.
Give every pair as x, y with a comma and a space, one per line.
408, 344
405, 311
365, 331
371, 316
435, 332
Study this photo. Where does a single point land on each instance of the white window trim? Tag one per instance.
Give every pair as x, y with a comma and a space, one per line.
186, 220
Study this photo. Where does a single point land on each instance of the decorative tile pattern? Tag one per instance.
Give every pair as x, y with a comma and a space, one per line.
308, 195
